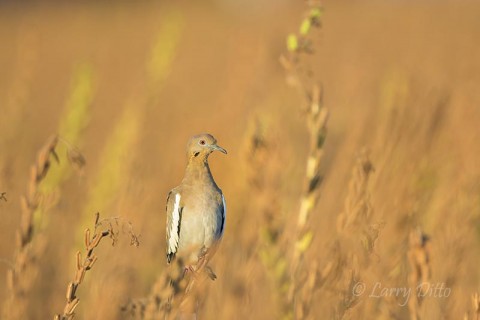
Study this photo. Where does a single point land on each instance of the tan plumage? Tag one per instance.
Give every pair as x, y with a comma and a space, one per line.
196, 208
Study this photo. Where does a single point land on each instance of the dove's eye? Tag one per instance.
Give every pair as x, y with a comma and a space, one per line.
202, 142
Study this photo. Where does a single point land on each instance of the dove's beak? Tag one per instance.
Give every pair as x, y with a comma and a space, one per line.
218, 148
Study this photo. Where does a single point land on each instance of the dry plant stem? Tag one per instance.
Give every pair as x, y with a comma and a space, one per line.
475, 312
21, 277
356, 234
316, 118
3, 196
262, 157
110, 228
166, 297
317, 126
475, 306
356, 215
83, 265
419, 261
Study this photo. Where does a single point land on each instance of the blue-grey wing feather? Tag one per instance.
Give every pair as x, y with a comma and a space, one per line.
222, 216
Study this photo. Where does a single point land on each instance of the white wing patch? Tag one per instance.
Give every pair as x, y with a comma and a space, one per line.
224, 215
173, 240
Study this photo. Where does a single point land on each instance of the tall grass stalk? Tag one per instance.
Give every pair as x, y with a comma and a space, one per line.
72, 124
299, 44
102, 229
29, 245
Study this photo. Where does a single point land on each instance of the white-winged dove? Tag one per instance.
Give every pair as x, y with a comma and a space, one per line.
196, 209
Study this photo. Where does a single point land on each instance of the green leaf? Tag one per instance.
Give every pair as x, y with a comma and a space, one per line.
292, 42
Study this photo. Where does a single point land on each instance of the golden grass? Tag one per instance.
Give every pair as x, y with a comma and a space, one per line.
419, 277
24, 270
399, 161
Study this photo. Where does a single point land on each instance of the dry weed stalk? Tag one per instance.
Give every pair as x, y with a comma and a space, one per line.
316, 117
102, 228
23, 273
3, 196
474, 314
419, 277
172, 295
264, 180
357, 233
356, 219
263, 166
348, 260
475, 307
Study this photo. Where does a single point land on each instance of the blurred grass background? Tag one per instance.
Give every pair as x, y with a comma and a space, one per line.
128, 83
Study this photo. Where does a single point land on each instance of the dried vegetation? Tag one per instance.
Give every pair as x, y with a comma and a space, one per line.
375, 218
